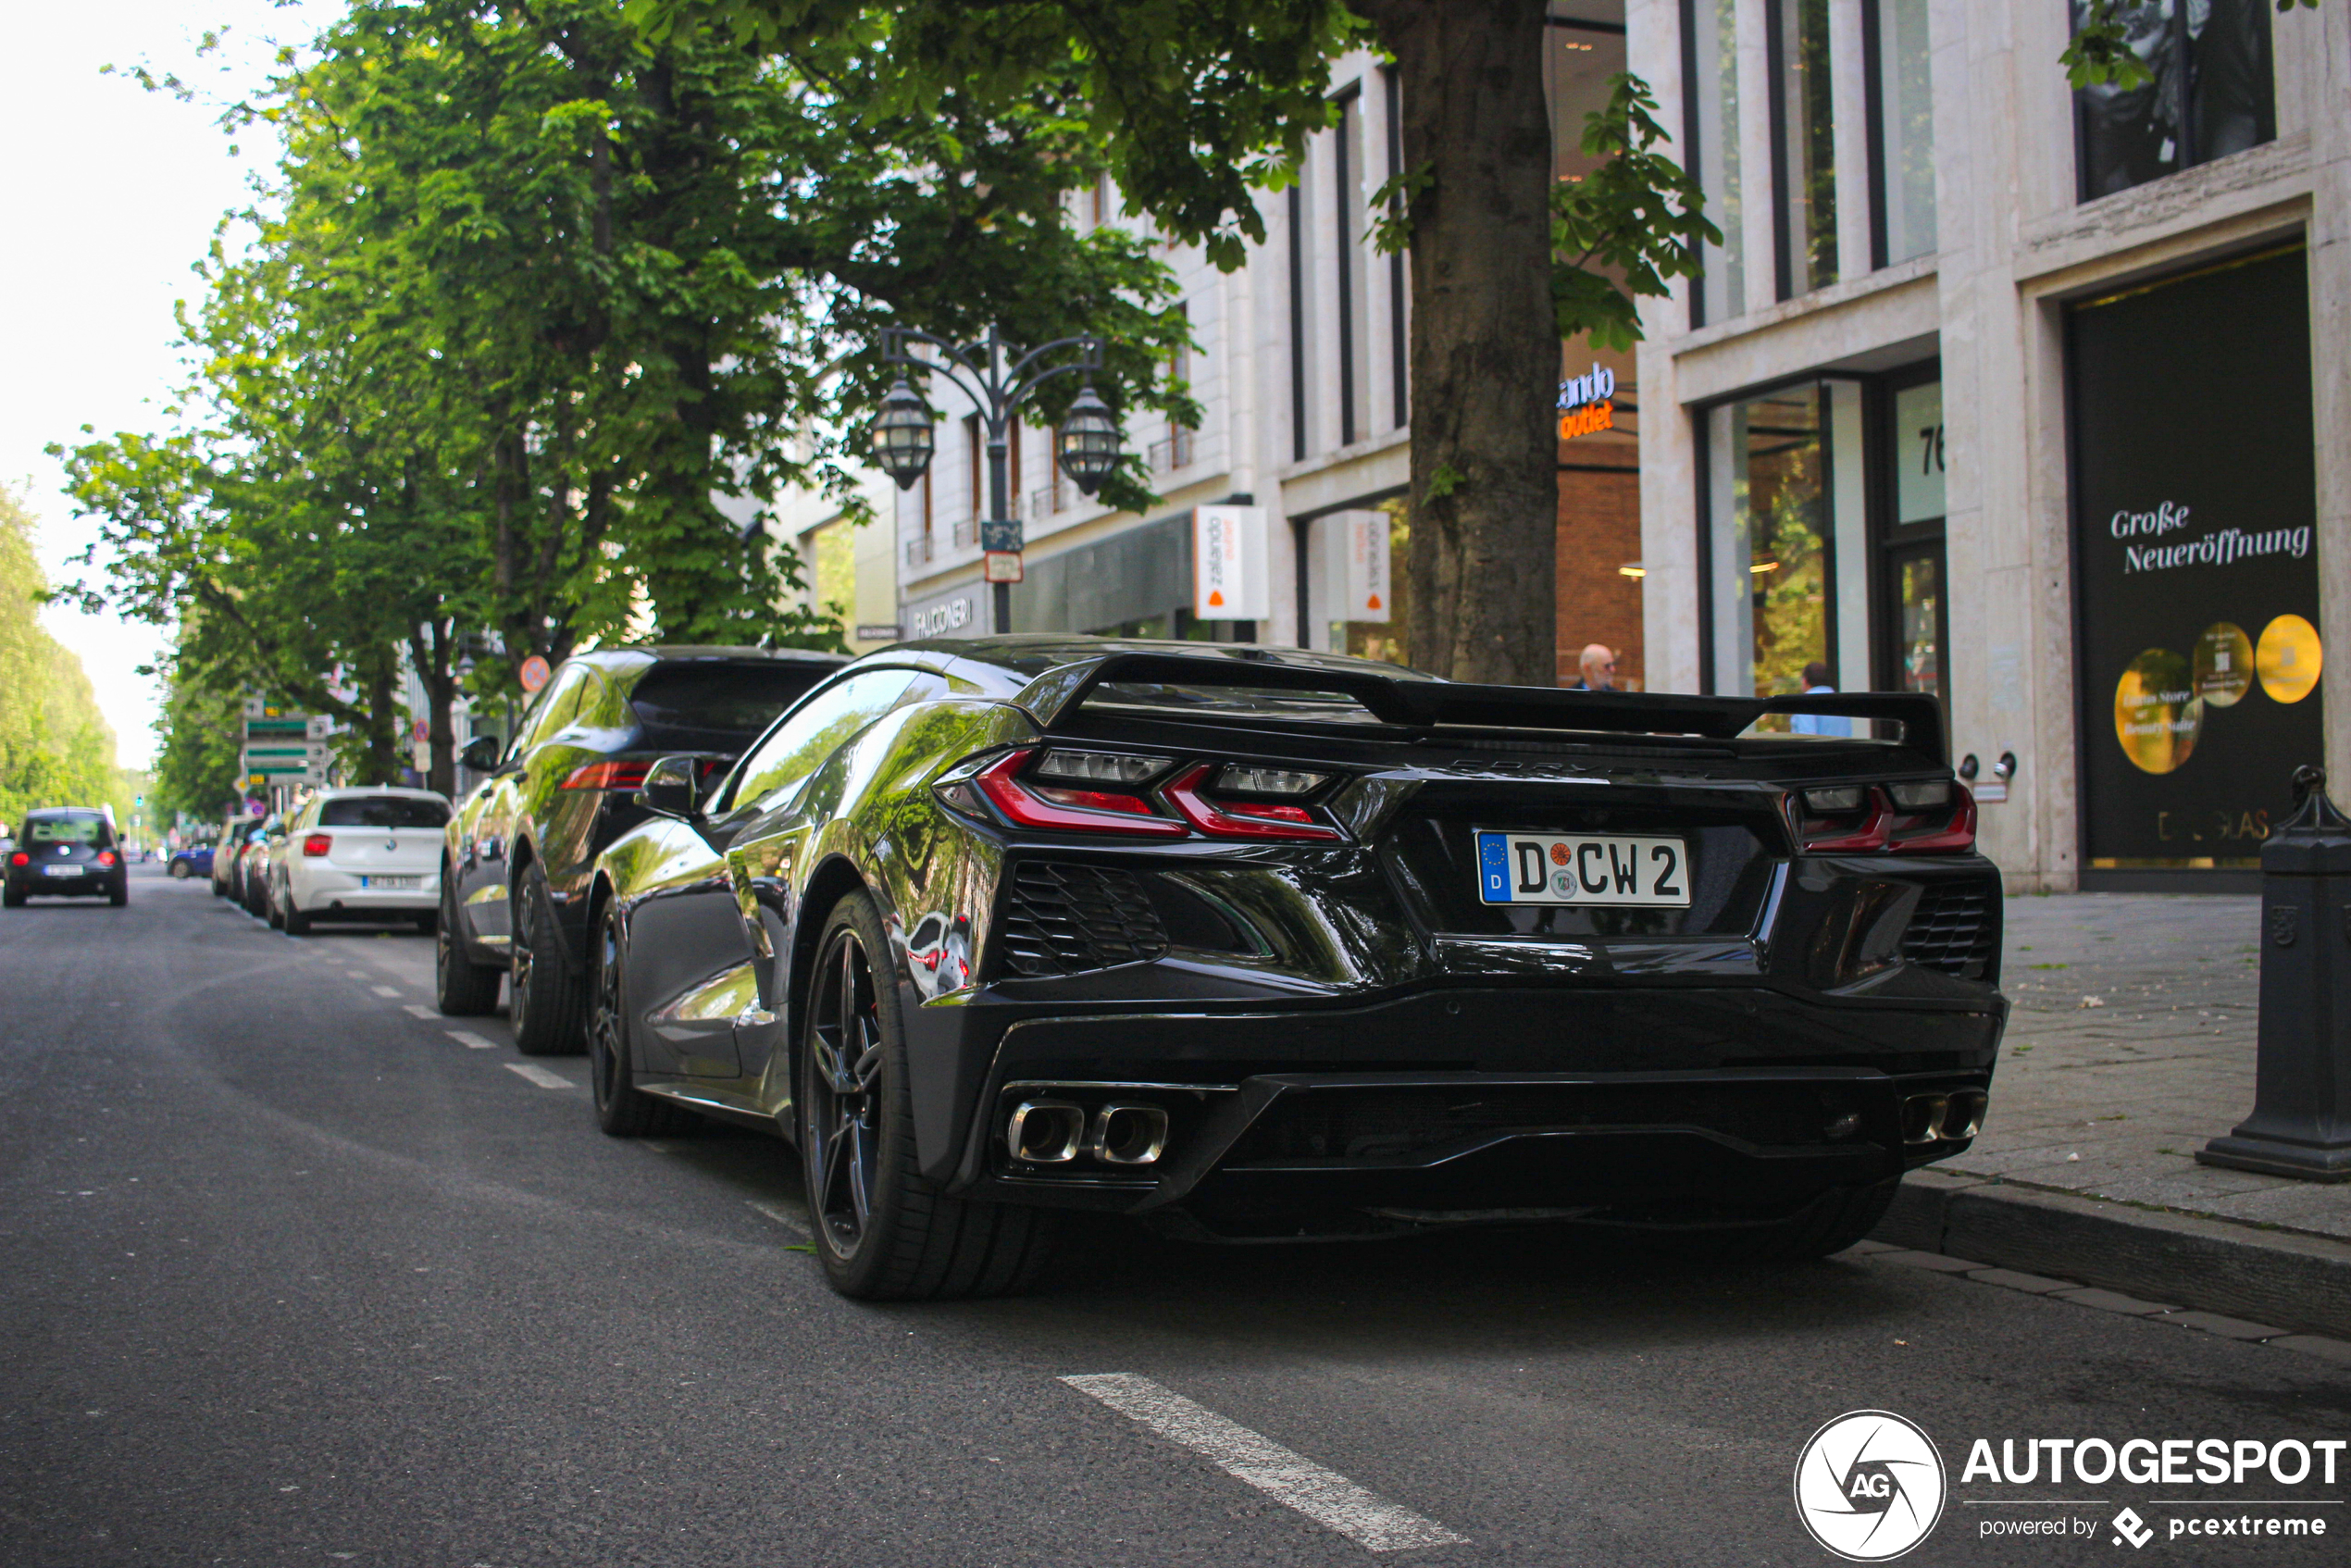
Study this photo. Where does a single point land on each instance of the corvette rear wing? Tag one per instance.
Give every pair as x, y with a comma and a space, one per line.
1426, 706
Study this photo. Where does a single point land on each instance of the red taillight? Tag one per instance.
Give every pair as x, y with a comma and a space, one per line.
607, 776
20, 858
1879, 827
1241, 819
1069, 811
106, 857
317, 844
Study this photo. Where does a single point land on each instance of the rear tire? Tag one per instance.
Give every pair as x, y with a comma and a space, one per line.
291, 919
622, 1109
277, 910
121, 894
461, 988
546, 1002
883, 1232
180, 871
11, 897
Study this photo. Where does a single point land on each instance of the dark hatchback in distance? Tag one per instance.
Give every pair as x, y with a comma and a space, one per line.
1261, 944
519, 849
66, 850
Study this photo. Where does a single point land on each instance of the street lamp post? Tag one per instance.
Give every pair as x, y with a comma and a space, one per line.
998, 377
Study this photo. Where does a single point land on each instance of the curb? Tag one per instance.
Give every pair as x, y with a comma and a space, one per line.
2270, 1276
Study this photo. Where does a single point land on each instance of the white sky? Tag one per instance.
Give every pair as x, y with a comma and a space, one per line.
107, 195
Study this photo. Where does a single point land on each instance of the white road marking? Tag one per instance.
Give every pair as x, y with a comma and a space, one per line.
540, 1075
783, 1216
471, 1040
1327, 1498
385, 991
356, 973
418, 1010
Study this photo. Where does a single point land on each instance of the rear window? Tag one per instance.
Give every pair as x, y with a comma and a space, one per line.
737, 700
66, 830
382, 811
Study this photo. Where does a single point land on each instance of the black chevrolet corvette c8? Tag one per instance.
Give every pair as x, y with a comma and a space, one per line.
1258, 943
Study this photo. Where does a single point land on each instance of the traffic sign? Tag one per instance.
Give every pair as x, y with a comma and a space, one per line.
1001, 537
533, 674
1002, 566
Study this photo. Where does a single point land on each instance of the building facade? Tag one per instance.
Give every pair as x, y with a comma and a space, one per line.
1300, 370
2037, 399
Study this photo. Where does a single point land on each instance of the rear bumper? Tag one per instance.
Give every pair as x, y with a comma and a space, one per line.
94, 881
328, 891
1625, 1102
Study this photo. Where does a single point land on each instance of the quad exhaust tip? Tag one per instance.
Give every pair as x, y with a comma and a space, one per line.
1945, 1118
1054, 1132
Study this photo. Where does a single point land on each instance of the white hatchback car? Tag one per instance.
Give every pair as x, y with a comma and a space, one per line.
360, 855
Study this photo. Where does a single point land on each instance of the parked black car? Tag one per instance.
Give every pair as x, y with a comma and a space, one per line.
66, 850
519, 850
1261, 944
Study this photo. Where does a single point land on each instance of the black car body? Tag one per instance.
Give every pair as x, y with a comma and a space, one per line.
519, 849
1233, 965
65, 851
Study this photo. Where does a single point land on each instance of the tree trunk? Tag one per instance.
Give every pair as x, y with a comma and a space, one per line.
1484, 353
382, 763
430, 649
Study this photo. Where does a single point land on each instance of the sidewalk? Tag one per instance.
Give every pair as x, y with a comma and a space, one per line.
2131, 1041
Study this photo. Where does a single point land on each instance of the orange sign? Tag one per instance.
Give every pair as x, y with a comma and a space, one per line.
534, 673
1585, 420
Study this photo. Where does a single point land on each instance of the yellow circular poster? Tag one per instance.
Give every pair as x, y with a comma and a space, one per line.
2223, 665
2289, 658
2157, 712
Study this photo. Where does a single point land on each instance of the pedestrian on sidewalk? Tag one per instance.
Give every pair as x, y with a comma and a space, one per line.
1817, 684
1598, 668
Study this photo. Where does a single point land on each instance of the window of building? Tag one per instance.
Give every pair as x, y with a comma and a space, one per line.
1803, 144
2212, 93
1901, 110
1914, 596
1710, 53
1786, 536
1399, 294
1352, 260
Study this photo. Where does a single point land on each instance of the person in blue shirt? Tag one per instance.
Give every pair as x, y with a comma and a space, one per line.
1816, 683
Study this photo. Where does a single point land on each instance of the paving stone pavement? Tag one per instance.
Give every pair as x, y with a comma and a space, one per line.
2131, 1041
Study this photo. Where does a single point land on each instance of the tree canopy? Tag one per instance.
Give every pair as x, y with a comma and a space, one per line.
56, 748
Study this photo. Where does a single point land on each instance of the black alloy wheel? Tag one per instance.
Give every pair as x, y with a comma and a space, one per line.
883, 1232
462, 989
545, 1001
841, 1090
622, 1109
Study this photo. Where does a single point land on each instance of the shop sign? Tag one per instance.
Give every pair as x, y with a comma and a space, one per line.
1230, 563
1587, 403
1355, 564
2198, 572
955, 613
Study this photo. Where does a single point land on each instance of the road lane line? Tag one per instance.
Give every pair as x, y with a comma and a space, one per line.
540, 1075
783, 1216
418, 1010
1327, 1498
471, 1040
385, 991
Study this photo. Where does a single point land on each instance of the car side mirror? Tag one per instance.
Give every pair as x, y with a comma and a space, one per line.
480, 753
670, 787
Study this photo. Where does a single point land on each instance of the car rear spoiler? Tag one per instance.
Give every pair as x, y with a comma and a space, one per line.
1429, 705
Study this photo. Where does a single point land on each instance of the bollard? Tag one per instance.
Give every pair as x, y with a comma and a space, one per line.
2301, 1121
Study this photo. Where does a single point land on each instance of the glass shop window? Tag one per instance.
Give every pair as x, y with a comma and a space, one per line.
1711, 28
1902, 90
1806, 138
2212, 93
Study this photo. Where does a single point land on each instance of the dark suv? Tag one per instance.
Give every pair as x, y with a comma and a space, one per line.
517, 860
66, 850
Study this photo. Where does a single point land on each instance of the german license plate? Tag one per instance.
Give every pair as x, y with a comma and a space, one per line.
61, 871
1586, 868
387, 881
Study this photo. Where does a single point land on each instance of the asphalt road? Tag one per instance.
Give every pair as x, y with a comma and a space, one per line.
291, 1275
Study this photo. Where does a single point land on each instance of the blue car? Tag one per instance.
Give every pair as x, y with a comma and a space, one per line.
193, 861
